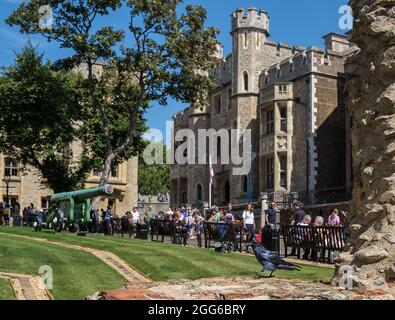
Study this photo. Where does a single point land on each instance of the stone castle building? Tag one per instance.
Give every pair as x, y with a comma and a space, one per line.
293, 100
25, 188
24, 185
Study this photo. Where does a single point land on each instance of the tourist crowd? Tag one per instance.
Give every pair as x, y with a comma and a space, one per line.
189, 222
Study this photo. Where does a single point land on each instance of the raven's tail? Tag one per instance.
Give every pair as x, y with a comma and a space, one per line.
289, 266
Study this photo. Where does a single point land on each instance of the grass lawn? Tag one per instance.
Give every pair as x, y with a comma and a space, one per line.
161, 261
6, 292
75, 274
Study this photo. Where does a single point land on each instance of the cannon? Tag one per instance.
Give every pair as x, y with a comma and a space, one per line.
71, 210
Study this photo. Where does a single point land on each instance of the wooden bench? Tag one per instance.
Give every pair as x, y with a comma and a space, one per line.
125, 226
321, 241
224, 233
160, 229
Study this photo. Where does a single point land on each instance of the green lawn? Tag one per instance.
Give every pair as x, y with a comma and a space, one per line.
161, 261
75, 274
6, 292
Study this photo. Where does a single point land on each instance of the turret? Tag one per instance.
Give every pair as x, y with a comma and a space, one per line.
252, 19
250, 31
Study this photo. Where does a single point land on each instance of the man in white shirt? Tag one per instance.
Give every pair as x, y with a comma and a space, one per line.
170, 213
135, 216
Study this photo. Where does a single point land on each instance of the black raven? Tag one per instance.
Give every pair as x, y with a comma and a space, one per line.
269, 260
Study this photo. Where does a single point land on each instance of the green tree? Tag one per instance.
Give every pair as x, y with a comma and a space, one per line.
154, 178
39, 111
166, 55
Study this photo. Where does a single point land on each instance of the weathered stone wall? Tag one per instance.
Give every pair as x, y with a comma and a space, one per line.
299, 141
330, 123
372, 104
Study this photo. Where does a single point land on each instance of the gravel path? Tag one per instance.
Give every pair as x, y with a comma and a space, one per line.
27, 287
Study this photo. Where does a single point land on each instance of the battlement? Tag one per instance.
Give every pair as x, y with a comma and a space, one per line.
252, 19
223, 73
312, 59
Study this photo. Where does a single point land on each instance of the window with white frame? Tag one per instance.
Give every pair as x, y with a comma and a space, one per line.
11, 167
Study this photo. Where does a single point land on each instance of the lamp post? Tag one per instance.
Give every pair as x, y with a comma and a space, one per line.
7, 180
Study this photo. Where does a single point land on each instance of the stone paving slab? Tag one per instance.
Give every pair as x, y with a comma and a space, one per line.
241, 289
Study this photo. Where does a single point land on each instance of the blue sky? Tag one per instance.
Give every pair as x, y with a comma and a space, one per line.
296, 22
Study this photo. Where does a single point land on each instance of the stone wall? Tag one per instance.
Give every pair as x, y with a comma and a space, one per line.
371, 250
330, 123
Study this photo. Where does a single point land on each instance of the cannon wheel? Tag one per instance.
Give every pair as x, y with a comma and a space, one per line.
73, 227
59, 224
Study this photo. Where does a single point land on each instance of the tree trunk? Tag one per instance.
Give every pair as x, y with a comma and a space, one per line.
371, 248
104, 177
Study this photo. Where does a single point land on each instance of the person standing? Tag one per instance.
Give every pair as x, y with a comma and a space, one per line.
170, 214
269, 231
184, 212
199, 226
298, 214
108, 218
334, 219
298, 217
216, 215
94, 224
17, 209
135, 216
188, 227
149, 213
271, 216
229, 218
7, 214
249, 222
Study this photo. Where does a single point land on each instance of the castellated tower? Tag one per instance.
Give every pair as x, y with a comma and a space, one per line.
250, 31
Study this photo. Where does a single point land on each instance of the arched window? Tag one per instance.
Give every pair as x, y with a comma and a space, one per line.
244, 184
245, 78
199, 192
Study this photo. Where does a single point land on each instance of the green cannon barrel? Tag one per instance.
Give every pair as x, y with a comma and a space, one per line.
81, 195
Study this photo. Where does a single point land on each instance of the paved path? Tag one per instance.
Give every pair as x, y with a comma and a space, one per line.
241, 288
27, 287
126, 271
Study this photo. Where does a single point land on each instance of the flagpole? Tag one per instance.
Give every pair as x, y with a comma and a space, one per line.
210, 182
209, 195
